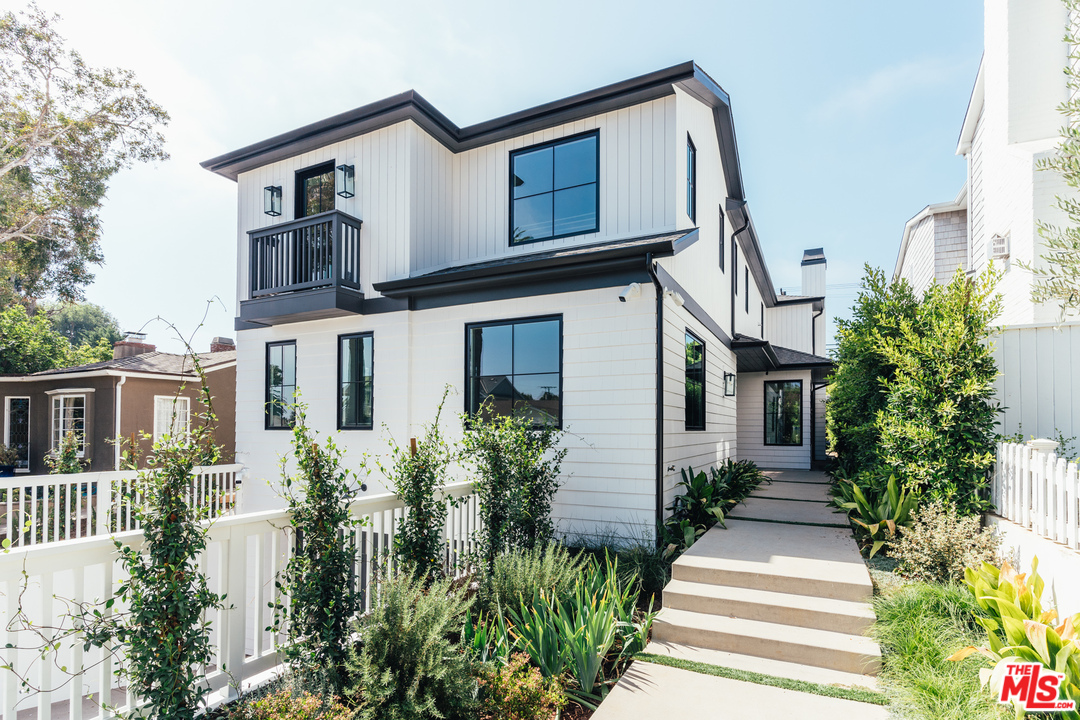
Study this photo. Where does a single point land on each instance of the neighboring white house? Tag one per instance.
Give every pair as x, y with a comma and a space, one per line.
1012, 122
592, 258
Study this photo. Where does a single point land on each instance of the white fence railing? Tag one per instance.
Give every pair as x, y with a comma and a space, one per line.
244, 555
37, 509
1038, 490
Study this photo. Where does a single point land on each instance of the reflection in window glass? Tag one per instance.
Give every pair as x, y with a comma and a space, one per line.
357, 382
69, 419
554, 190
695, 383
280, 384
783, 412
515, 367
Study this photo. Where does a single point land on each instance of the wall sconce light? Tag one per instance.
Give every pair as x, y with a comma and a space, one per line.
729, 384
345, 181
272, 200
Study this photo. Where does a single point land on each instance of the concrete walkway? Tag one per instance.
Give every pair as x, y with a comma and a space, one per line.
782, 591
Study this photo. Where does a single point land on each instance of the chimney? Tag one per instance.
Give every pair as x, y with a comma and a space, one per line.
813, 272
131, 345
222, 344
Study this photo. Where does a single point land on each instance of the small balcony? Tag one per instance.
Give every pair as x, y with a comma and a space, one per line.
307, 269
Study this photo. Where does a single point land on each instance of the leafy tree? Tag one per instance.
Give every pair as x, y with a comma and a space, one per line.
65, 130
937, 427
857, 390
1057, 277
28, 344
83, 323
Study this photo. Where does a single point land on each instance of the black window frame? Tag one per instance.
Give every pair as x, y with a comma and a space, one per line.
765, 414
299, 204
691, 179
266, 382
704, 384
735, 266
341, 425
722, 243
746, 295
469, 412
510, 185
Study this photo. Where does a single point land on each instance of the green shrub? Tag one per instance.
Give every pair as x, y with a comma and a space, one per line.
516, 691
64, 459
319, 599
939, 544
516, 473
706, 500
287, 705
406, 667
417, 474
918, 626
522, 574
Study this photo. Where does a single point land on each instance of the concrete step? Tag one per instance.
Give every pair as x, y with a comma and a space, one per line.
784, 608
793, 491
760, 508
813, 477
808, 646
766, 666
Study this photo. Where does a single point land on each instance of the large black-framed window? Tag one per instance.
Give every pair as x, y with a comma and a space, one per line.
280, 385
695, 382
555, 189
783, 412
515, 366
315, 190
691, 180
356, 381
722, 244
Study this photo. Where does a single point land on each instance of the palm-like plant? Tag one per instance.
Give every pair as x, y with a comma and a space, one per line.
880, 515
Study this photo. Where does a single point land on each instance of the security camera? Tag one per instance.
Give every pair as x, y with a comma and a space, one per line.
675, 297
630, 292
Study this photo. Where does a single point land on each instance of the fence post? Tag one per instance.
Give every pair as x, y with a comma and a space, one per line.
234, 562
1073, 504
104, 504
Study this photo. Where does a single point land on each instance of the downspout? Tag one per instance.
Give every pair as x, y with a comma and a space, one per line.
659, 394
117, 444
735, 270
813, 329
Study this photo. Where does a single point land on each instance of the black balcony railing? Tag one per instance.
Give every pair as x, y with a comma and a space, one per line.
314, 252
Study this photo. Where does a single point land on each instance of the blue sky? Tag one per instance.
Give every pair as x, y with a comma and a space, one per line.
847, 113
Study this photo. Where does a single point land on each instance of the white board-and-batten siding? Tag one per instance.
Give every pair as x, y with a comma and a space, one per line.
751, 422
1037, 384
609, 397
790, 326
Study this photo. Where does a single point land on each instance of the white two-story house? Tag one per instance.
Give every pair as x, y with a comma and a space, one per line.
591, 260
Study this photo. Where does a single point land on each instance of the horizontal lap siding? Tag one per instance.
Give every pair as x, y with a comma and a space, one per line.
608, 389
751, 421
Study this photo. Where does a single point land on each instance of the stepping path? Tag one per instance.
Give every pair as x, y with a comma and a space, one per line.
782, 591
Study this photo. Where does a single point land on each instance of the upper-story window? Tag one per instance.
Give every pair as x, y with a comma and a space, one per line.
315, 190
721, 239
555, 189
735, 265
691, 180
746, 284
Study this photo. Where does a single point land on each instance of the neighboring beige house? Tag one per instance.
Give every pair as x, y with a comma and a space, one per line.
1012, 122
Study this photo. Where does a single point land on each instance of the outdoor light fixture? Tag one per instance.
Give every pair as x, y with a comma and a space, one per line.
272, 200
345, 181
729, 384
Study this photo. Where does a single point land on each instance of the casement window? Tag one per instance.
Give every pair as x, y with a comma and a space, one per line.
515, 366
691, 180
695, 382
172, 416
555, 189
356, 381
280, 385
746, 292
783, 412
722, 244
69, 419
17, 430
735, 266
315, 190
762, 321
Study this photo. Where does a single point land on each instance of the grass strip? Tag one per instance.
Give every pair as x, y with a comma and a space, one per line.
857, 694
787, 522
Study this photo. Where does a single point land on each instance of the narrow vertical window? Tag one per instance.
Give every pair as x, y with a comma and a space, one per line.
695, 382
356, 380
69, 419
746, 291
280, 385
762, 321
315, 190
783, 412
18, 430
691, 180
735, 266
721, 244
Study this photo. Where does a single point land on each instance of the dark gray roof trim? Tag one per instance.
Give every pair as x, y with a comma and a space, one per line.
755, 355
583, 259
739, 213
692, 306
151, 362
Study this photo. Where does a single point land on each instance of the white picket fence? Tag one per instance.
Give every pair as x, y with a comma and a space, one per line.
37, 509
243, 558
1038, 490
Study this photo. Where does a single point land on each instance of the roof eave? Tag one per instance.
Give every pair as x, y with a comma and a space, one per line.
974, 109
